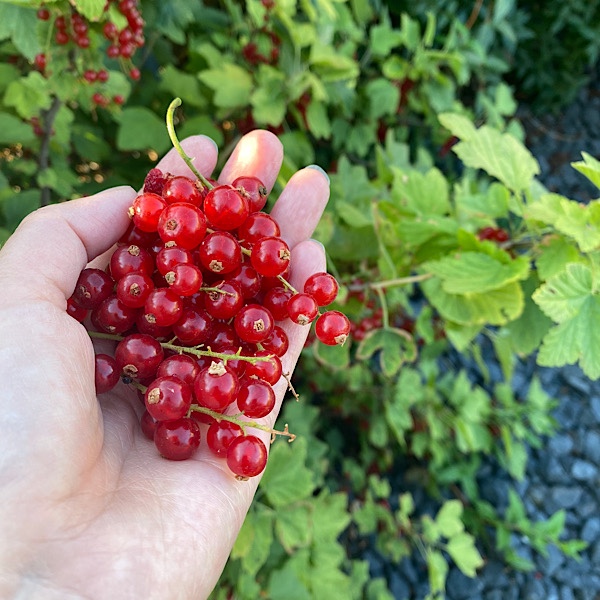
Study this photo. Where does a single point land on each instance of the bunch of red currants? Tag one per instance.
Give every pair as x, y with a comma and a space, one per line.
195, 293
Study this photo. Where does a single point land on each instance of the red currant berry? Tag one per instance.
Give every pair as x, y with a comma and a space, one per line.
253, 323
139, 355
134, 288
93, 287
62, 37
276, 301
148, 424
220, 252
220, 434
113, 51
194, 327
169, 257
106, 373
253, 190
43, 14
224, 300
146, 211
184, 280
270, 256
216, 387
109, 30
223, 336
183, 189
181, 366
163, 307
90, 75
168, 398
332, 328
225, 208
75, 311
112, 316
302, 309
135, 73
258, 225
183, 224
246, 456
323, 287
40, 62
130, 259
277, 343
269, 369
177, 440
248, 279
102, 75
256, 398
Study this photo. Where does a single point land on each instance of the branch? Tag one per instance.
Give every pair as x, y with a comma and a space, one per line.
48, 117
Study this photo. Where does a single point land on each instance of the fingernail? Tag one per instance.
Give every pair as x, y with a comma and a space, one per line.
312, 240
318, 168
212, 142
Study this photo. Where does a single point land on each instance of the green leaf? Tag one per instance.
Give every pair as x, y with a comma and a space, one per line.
421, 193
557, 252
293, 527
28, 95
13, 130
334, 357
462, 549
449, 518
91, 9
318, 120
395, 346
201, 124
437, 569
330, 516
286, 479
141, 129
495, 307
475, 272
8, 73
269, 102
260, 522
353, 215
590, 167
384, 39
17, 206
383, 96
19, 24
498, 154
182, 85
285, 583
232, 85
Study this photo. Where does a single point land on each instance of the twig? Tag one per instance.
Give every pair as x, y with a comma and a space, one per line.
44, 156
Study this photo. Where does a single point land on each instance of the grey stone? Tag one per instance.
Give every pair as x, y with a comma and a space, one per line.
567, 413
590, 532
576, 379
587, 506
561, 444
494, 575
595, 406
584, 470
534, 590
596, 553
461, 587
591, 446
495, 595
399, 587
552, 562
552, 471
566, 497
566, 593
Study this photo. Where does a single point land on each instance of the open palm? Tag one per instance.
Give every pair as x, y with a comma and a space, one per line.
88, 509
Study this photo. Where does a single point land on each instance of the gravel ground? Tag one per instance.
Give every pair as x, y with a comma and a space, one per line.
565, 472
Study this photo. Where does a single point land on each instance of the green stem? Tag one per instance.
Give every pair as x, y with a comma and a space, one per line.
171, 129
241, 422
379, 285
188, 350
384, 307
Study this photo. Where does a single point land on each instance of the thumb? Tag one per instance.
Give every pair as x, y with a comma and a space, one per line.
45, 255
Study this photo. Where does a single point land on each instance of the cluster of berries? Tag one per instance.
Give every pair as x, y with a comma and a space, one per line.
493, 234
74, 30
196, 292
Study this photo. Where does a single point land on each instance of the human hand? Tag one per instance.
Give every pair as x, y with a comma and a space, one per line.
88, 507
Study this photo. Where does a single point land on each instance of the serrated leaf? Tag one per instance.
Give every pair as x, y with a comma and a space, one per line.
318, 120
552, 527
269, 102
182, 85
285, 583
464, 553
421, 193
475, 272
556, 253
231, 85
449, 518
383, 96
395, 346
353, 215
499, 154
590, 167
496, 307
261, 522
330, 516
286, 478
292, 527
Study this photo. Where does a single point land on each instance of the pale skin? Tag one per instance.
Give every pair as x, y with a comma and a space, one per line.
88, 509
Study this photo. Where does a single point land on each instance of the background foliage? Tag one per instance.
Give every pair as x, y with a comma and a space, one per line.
444, 241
